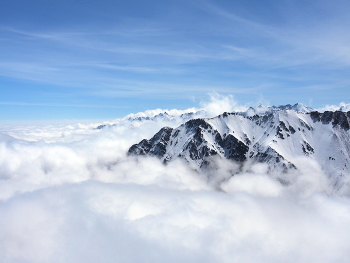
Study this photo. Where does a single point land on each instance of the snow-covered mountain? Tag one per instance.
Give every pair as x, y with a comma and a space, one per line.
178, 117
277, 138
344, 107
162, 116
341, 107
262, 110
173, 117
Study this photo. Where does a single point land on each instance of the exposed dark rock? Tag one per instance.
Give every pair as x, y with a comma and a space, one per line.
234, 149
327, 117
338, 118
315, 116
196, 123
291, 129
279, 132
307, 149
156, 146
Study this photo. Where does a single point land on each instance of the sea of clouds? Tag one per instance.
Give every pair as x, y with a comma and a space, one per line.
69, 193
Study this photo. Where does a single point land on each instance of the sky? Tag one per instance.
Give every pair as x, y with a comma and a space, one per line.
69, 193
104, 59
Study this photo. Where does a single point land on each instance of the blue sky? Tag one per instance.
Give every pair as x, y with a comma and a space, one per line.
104, 59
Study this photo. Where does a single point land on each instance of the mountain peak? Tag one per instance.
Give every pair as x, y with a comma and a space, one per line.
301, 108
277, 139
263, 110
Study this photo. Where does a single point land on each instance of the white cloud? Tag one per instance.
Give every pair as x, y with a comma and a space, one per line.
152, 113
254, 184
139, 223
342, 107
78, 198
221, 103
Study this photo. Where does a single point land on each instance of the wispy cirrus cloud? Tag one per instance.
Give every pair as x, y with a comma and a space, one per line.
225, 47
300, 38
59, 105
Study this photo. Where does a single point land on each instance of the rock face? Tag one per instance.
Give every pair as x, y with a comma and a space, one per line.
155, 146
277, 138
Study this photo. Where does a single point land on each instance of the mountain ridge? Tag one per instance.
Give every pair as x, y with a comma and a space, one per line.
276, 139
174, 117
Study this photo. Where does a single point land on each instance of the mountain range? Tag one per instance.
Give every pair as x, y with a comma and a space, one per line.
276, 136
182, 116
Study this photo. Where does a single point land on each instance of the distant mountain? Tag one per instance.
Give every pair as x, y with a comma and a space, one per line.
163, 116
276, 137
262, 110
201, 113
181, 118
345, 107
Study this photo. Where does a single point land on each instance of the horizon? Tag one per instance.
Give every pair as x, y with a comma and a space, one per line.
215, 103
87, 175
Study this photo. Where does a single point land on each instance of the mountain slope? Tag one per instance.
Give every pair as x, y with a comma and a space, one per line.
277, 138
263, 110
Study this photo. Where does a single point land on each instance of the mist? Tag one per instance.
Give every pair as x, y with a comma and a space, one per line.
69, 193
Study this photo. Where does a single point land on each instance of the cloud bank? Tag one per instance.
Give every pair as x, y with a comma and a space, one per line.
341, 107
70, 194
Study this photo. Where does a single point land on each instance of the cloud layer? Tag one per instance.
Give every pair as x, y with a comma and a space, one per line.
70, 194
